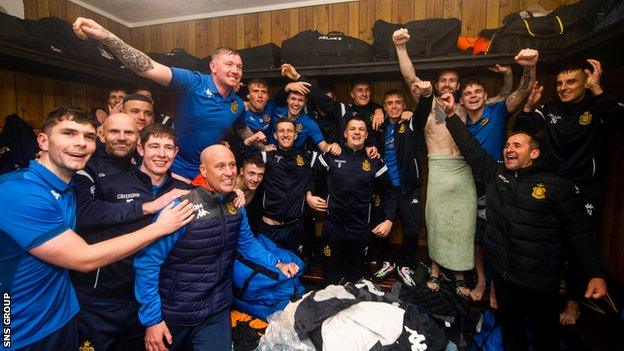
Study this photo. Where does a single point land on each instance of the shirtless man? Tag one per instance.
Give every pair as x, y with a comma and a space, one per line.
450, 211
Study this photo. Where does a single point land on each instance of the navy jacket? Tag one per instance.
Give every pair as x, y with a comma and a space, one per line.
531, 215
285, 181
185, 277
116, 281
352, 178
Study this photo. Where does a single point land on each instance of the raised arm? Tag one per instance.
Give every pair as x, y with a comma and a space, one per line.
135, 60
527, 58
507, 84
400, 37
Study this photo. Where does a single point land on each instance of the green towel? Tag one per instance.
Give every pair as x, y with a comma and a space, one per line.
451, 212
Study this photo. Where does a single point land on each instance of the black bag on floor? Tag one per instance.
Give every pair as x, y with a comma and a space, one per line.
311, 48
428, 38
260, 57
179, 58
558, 30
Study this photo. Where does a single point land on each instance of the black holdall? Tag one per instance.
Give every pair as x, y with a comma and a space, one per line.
261, 57
428, 38
553, 32
17, 31
179, 58
311, 48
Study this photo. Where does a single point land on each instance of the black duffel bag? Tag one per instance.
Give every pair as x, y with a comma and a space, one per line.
311, 48
553, 32
428, 38
179, 58
260, 57
16, 31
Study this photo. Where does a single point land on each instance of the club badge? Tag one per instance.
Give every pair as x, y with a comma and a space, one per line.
539, 191
366, 166
266, 118
299, 127
485, 121
299, 160
234, 107
402, 128
86, 346
232, 208
585, 118
326, 251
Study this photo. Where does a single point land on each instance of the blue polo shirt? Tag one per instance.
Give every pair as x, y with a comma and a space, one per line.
261, 122
491, 128
390, 155
305, 126
36, 207
203, 118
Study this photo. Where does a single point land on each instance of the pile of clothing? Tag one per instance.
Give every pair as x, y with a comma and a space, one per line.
356, 316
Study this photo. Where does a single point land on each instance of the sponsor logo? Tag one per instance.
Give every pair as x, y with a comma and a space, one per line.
589, 208
554, 118
128, 196
55, 194
199, 209
340, 162
6, 320
502, 177
209, 93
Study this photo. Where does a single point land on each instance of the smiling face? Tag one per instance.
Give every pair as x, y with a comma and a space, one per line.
115, 97
295, 103
518, 152
361, 94
218, 167
252, 175
258, 96
448, 82
356, 134
473, 97
571, 86
227, 69
120, 134
66, 147
285, 134
394, 106
143, 112
158, 153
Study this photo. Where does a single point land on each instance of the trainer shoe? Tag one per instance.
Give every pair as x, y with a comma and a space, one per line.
405, 276
386, 269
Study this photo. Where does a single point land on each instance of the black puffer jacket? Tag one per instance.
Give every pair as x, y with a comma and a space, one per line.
530, 214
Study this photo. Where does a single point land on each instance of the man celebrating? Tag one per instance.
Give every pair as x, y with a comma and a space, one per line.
533, 214
39, 244
208, 105
108, 314
288, 171
184, 284
141, 108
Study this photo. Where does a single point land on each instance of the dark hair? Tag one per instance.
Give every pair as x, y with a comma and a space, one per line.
117, 88
358, 82
257, 81
254, 159
397, 92
285, 120
358, 118
534, 140
157, 130
66, 113
137, 97
470, 81
296, 93
223, 50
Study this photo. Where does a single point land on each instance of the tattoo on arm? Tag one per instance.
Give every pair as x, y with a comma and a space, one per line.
244, 133
132, 58
523, 91
505, 91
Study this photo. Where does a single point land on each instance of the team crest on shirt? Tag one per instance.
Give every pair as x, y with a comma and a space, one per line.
366, 165
585, 118
299, 160
299, 127
266, 118
539, 191
485, 121
402, 128
234, 106
326, 251
86, 346
231, 208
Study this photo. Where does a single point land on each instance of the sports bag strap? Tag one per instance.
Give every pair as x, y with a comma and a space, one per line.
528, 27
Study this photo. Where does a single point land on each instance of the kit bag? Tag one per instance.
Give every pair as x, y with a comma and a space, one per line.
179, 58
261, 57
16, 31
428, 38
311, 48
553, 32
